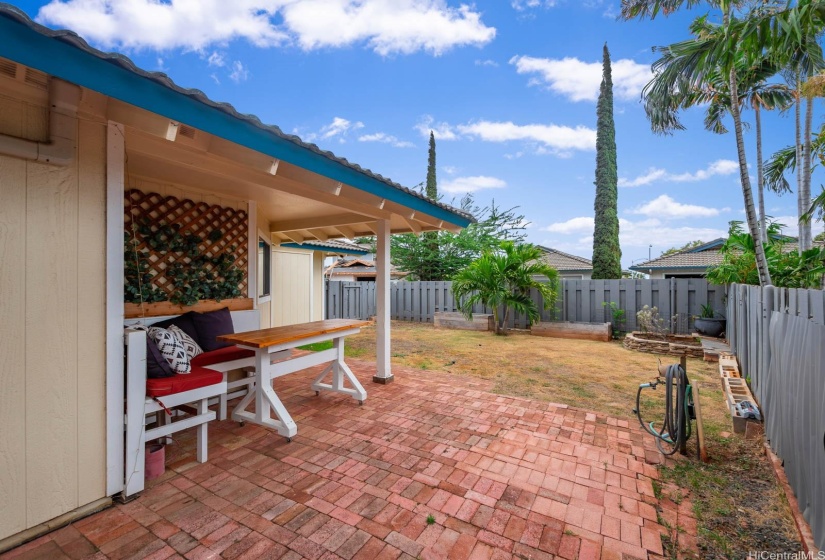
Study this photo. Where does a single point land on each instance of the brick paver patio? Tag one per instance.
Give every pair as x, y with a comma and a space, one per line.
502, 477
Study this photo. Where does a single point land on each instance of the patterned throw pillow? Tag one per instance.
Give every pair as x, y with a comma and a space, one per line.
192, 348
171, 349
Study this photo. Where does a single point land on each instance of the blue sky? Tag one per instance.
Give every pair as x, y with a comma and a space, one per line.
509, 86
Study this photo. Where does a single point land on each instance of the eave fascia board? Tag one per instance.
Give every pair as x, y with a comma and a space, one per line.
55, 57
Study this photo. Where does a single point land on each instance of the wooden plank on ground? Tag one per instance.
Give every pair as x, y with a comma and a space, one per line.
700, 428
581, 331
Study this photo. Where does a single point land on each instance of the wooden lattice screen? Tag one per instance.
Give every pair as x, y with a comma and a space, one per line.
198, 218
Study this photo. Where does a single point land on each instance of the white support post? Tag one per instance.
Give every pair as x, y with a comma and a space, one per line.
115, 176
252, 247
382, 303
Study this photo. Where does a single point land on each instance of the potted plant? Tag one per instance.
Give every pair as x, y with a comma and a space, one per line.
708, 323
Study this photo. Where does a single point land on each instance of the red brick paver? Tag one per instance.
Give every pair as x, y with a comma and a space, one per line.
502, 477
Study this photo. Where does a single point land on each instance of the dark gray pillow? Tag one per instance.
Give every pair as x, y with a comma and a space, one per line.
184, 322
212, 324
156, 365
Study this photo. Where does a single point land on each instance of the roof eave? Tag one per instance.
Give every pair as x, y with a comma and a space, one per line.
58, 57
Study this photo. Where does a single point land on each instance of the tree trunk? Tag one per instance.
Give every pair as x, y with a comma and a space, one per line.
799, 149
763, 231
805, 237
747, 193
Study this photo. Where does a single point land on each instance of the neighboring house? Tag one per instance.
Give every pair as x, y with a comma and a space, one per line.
358, 270
90, 143
569, 266
691, 263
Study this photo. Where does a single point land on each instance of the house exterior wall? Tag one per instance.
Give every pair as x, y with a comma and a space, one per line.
675, 272
318, 286
53, 327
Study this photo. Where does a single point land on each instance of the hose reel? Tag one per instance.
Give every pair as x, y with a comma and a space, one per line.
675, 429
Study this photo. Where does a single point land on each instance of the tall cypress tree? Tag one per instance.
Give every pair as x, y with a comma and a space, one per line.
431, 261
432, 186
607, 254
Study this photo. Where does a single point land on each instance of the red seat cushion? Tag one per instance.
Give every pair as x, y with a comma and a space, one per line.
226, 354
180, 382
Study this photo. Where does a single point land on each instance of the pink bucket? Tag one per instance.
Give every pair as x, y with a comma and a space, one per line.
155, 460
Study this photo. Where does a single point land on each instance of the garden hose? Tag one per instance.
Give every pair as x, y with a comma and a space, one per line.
675, 428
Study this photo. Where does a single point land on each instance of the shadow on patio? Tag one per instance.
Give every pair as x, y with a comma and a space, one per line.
502, 477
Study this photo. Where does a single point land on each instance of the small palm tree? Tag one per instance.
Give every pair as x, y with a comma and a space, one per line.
502, 281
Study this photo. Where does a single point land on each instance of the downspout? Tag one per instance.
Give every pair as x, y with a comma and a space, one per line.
64, 99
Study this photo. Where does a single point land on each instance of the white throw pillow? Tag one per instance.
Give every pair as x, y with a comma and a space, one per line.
171, 349
192, 348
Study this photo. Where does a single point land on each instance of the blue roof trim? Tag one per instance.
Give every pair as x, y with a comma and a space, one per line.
309, 246
59, 57
709, 245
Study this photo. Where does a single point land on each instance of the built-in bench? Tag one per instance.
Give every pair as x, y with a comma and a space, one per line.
180, 401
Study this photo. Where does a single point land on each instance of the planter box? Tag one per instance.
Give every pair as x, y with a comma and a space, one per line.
673, 344
602, 332
479, 322
163, 308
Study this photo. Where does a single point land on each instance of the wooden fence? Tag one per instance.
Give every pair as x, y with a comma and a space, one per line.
579, 300
778, 335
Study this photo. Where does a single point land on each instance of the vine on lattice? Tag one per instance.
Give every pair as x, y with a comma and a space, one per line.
183, 251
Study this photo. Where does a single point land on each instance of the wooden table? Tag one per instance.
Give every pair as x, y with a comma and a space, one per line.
273, 358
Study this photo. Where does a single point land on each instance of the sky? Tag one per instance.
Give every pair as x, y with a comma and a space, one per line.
509, 88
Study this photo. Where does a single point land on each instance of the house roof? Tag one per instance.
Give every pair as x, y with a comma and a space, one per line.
359, 268
330, 246
703, 256
66, 55
564, 261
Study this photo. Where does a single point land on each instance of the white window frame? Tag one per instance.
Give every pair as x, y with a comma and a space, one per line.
262, 236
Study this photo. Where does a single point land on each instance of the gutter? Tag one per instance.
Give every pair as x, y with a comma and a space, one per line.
64, 99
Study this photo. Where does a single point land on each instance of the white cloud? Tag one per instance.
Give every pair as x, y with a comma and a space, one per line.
450, 169
547, 138
718, 167
215, 77
239, 72
665, 207
441, 130
461, 185
339, 127
385, 139
573, 225
579, 81
521, 5
216, 59
662, 234
487, 62
576, 234
385, 26
552, 138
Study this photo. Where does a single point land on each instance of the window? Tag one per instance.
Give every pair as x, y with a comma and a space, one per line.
264, 269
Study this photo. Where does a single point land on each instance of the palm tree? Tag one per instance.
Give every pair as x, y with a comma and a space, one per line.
715, 95
502, 281
713, 54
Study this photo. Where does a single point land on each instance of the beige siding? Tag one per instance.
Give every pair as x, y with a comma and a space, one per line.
52, 354
291, 287
318, 286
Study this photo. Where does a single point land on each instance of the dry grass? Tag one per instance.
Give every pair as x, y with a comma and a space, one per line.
738, 505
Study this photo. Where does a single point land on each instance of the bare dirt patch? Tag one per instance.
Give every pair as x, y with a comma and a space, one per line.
736, 500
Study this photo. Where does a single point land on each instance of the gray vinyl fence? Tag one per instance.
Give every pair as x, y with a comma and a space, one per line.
778, 335
579, 300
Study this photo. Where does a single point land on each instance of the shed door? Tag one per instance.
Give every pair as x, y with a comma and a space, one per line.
291, 288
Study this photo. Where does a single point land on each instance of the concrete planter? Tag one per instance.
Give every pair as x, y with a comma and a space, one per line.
710, 327
602, 332
448, 320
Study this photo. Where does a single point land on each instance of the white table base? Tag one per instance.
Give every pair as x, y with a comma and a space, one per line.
266, 400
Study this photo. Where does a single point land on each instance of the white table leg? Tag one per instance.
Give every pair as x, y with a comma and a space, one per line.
266, 401
340, 371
